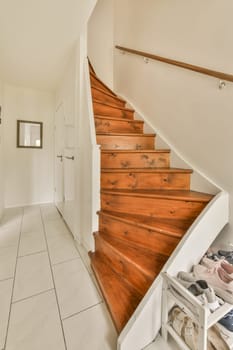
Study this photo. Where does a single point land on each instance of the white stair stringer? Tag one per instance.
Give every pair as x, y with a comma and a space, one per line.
145, 323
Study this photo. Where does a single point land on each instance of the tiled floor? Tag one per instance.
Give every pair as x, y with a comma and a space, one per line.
48, 298
160, 344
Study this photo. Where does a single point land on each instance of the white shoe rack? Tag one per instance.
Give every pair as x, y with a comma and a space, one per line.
176, 294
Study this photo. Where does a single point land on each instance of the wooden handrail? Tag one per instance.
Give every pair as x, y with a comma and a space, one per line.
213, 73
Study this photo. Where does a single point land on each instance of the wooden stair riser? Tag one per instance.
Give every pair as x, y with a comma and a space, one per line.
118, 126
125, 268
101, 95
157, 207
95, 82
134, 160
143, 180
142, 220
140, 236
121, 299
111, 111
126, 141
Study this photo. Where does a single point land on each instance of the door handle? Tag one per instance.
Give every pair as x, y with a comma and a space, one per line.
72, 158
60, 156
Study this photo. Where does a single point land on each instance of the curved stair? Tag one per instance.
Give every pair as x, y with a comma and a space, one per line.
146, 206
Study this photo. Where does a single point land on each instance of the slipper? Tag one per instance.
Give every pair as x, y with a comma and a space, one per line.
220, 263
178, 319
216, 339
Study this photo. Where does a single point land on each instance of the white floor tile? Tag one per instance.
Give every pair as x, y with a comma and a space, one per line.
85, 257
32, 221
33, 275
160, 344
12, 216
32, 242
35, 324
61, 248
5, 299
90, 330
9, 236
49, 212
56, 227
7, 262
75, 289
32, 209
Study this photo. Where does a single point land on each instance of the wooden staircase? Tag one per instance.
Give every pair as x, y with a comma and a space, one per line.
146, 206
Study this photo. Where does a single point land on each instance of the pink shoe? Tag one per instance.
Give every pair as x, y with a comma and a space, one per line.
218, 279
209, 263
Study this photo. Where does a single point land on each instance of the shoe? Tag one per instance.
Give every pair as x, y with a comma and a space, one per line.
219, 263
227, 321
215, 338
189, 282
218, 279
178, 319
201, 290
190, 334
186, 276
228, 255
213, 256
188, 331
212, 301
226, 335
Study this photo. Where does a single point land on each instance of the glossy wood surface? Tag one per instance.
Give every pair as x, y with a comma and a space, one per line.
126, 141
128, 159
120, 296
162, 207
105, 109
145, 178
146, 206
198, 69
104, 96
116, 125
96, 82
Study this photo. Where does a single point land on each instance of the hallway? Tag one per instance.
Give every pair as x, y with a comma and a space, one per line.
48, 298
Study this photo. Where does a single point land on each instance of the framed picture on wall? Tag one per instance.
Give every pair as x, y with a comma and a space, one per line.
29, 134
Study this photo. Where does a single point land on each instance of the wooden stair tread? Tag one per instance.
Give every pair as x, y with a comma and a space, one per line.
147, 170
183, 195
113, 106
146, 206
125, 134
121, 297
117, 119
171, 227
104, 85
106, 93
145, 260
109, 151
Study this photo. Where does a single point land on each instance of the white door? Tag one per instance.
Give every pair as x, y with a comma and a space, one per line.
69, 188
59, 158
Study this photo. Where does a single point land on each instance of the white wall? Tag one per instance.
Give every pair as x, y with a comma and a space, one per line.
100, 40
1, 158
28, 172
187, 108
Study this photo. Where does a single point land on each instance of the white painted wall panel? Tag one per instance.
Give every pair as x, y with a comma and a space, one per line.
100, 40
1, 157
185, 107
28, 172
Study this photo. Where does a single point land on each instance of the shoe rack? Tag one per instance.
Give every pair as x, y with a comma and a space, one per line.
174, 293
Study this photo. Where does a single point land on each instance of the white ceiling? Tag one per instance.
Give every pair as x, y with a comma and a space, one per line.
36, 39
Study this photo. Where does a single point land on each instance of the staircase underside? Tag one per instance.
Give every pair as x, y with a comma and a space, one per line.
146, 206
